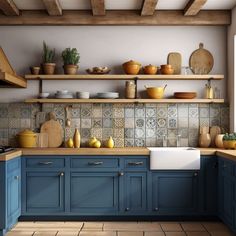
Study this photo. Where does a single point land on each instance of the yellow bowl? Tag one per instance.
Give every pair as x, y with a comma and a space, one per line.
155, 92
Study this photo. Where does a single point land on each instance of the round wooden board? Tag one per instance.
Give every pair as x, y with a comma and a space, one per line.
201, 61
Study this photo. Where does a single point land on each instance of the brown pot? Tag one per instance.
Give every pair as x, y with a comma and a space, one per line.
35, 70
131, 67
70, 69
150, 69
49, 68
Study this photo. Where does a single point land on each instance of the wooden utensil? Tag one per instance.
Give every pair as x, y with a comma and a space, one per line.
185, 95
175, 59
201, 61
214, 131
54, 130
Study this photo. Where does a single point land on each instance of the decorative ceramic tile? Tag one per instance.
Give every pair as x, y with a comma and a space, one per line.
193, 135
106, 133
172, 123
85, 133
204, 112
14, 110
4, 142
151, 133
172, 137
129, 122
193, 142
25, 123
3, 110
86, 123
161, 132
139, 122
159, 143
129, 133
119, 142
129, 142
129, 112
139, 133
140, 111
193, 123
86, 110
69, 133
161, 122
107, 110
40, 119
62, 122
151, 111
172, 111
47, 107
118, 123
193, 112
75, 112
97, 123
151, 123
151, 142
214, 110
215, 121
97, 111
25, 111
14, 122
75, 122
183, 132
182, 122
182, 110
3, 133
118, 111
59, 112
107, 122
96, 132
162, 112
184, 142
224, 115
139, 142
204, 122
118, 133
4, 123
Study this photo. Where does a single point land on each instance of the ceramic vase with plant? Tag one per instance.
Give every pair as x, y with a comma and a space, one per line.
71, 58
48, 60
229, 141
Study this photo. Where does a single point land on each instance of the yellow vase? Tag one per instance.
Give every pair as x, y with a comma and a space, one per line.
110, 142
76, 138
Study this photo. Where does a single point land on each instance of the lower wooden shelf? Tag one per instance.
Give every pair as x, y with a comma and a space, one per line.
52, 100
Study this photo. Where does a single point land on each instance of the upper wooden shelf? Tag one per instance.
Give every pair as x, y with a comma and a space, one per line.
124, 77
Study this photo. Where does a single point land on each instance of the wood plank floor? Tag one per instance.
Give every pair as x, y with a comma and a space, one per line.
77, 228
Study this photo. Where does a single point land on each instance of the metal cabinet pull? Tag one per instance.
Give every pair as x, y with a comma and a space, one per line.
121, 174
61, 174
138, 163
16, 177
195, 174
95, 163
156, 209
127, 209
45, 163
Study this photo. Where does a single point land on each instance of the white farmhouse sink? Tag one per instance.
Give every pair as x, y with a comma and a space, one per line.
183, 158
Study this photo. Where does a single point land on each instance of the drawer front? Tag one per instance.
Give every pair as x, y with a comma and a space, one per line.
94, 162
14, 164
45, 162
136, 163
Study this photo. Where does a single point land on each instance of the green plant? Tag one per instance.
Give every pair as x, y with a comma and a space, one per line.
70, 56
229, 137
48, 55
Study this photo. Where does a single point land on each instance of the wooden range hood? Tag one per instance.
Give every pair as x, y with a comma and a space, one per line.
8, 77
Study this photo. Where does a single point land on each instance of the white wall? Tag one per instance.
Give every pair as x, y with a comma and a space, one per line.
110, 46
231, 63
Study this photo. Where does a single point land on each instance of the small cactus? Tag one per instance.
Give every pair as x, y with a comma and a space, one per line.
48, 55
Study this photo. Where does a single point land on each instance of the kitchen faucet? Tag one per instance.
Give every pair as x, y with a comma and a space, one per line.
165, 139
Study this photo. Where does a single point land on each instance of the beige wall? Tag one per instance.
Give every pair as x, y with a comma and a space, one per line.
111, 46
231, 65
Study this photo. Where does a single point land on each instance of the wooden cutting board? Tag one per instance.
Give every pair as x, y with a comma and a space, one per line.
201, 61
214, 131
175, 59
42, 140
54, 130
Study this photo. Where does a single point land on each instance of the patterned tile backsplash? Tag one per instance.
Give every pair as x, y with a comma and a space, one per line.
128, 124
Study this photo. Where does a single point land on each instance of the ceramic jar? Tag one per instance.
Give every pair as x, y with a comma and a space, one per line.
204, 140
130, 90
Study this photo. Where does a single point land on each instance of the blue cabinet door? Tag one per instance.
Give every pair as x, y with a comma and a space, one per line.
45, 192
175, 192
135, 194
94, 193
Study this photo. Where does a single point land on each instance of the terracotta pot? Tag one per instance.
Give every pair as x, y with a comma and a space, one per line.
70, 69
150, 69
35, 70
167, 70
131, 67
204, 140
27, 139
49, 68
219, 141
229, 144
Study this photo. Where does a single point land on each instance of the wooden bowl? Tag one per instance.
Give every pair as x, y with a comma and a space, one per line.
185, 95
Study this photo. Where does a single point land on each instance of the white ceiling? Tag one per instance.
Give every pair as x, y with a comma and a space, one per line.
124, 4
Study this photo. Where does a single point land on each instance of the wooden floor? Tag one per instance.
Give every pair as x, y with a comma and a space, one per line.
120, 229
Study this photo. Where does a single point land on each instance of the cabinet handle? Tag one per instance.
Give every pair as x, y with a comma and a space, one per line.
121, 174
127, 209
195, 174
138, 163
95, 163
16, 177
156, 209
45, 163
61, 174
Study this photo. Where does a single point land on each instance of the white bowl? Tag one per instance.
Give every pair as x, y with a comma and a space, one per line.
82, 95
44, 95
62, 92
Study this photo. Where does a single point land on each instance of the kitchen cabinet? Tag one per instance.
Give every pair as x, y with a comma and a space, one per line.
175, 192
10, 197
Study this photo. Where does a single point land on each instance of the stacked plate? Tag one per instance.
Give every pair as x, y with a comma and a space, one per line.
63, 94
108, 95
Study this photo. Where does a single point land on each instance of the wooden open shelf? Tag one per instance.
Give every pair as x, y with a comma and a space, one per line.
10, 80
52, 100
124, 77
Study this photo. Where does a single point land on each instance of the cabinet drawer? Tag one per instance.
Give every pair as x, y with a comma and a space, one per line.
14, 164
94, 162
45, 162
136, 163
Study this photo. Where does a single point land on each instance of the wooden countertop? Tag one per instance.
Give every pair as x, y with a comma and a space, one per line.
133, 151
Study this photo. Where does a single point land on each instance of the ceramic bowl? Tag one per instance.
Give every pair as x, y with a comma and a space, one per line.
82, 95
44, 95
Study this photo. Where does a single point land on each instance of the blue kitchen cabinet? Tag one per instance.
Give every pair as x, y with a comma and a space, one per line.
175, 192
44, 192
94, 193
10, 197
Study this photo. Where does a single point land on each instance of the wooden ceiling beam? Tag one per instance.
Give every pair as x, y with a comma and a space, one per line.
98, 7
53, 7
149, 7
9, 8
172, 18
193, 7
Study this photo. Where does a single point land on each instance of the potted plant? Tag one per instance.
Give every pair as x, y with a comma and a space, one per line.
48, 60
229, 141
71, 58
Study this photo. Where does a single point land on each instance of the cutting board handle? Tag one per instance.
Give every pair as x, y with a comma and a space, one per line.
201, 45
52, 116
